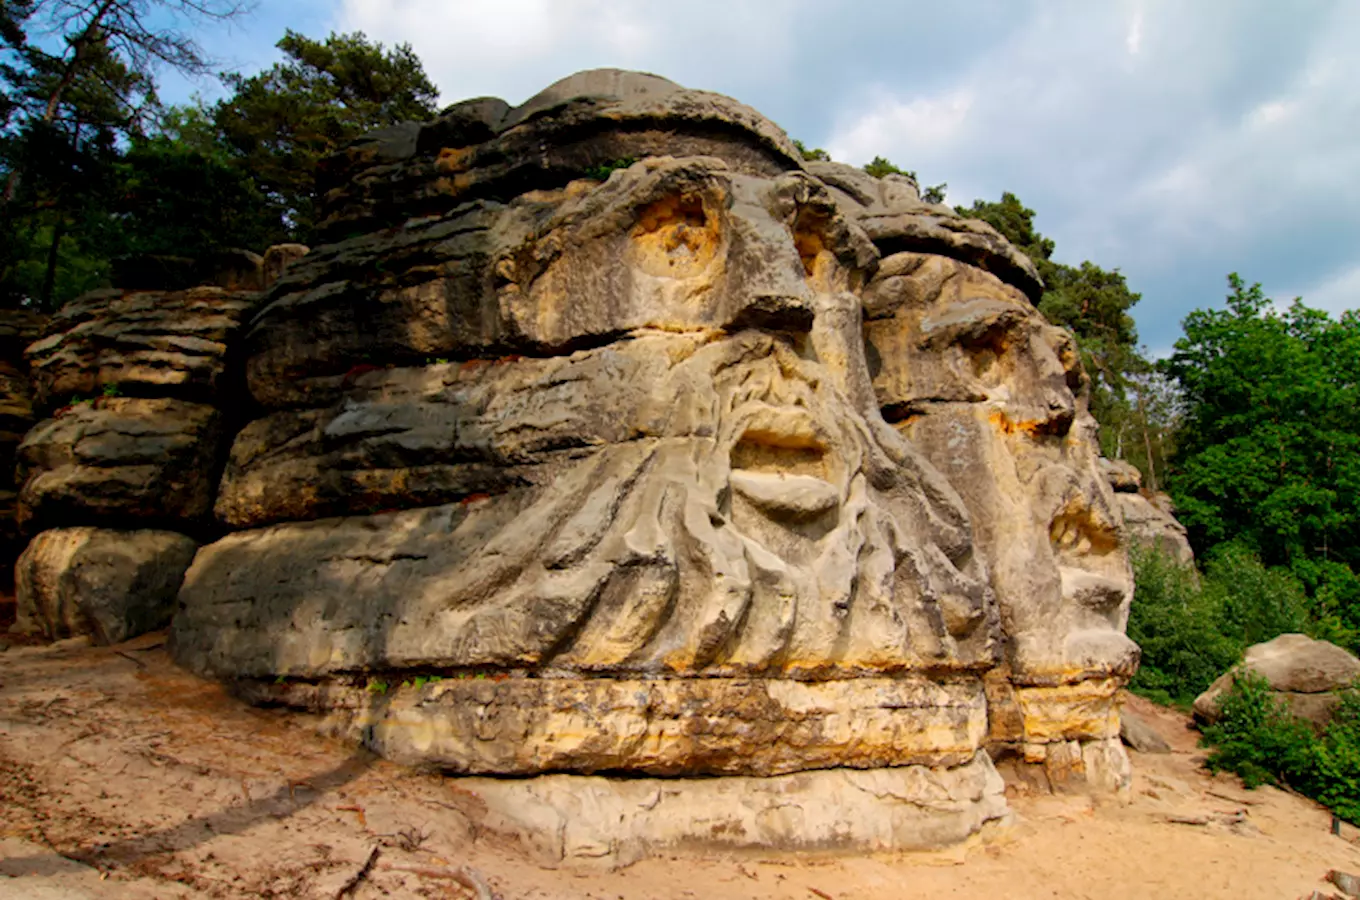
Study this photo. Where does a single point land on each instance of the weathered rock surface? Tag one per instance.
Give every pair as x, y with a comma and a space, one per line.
581, 820
121, 460
1303, 672
892, 214
1136, 733
1148, 519
113, 585
661, 726
1151, 525
484, 150
607, 435
161, 344
994, 396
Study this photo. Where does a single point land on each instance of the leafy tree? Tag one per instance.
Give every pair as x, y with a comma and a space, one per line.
279, 124
139, 35
70, 106
1268, 454
174, 200
67, 161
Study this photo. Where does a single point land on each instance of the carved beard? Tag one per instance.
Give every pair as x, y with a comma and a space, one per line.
756, 526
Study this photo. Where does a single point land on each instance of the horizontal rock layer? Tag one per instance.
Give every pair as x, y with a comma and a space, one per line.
121, 460
661, 726
579, 820
149, 343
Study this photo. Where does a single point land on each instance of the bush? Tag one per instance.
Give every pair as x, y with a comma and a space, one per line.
1260, 740
1254, 603
1179, 628
1193, 628
1257, 737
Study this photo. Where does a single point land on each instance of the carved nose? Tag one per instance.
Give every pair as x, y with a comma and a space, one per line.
776, 312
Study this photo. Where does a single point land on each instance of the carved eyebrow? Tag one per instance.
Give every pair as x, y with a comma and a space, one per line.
971, 319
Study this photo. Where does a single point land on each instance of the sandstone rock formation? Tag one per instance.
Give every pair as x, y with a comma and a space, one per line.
1147, 519
143, 391
109, 584
607, 435
1303, 672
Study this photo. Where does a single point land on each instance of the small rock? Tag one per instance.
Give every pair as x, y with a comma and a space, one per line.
1349, 884
1139, 735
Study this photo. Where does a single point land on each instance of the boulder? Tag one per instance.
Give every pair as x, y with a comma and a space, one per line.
120, 461
161, 344
1303, 672
1139, 735
112, 585
1123, 476
1148, 517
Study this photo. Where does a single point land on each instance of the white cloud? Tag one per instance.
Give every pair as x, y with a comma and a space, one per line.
513, 48
925, 121
1335, 292
1133, 41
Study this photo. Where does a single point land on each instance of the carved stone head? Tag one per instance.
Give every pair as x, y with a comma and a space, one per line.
613, 400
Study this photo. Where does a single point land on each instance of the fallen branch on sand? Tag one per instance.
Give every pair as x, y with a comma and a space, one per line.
359, 876
467, 876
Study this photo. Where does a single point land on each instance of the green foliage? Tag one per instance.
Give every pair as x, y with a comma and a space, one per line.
1268, 455
375, 686
604, 170
1270, 447
279, 124
76, 85
1258, 738
175, 200
1253, 603
1177, 624
815, 155
1194, 627
1334, 777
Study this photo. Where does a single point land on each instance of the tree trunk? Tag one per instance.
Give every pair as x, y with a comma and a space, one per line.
53, 254
1147, 444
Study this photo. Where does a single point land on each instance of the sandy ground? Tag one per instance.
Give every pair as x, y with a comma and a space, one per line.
123, 777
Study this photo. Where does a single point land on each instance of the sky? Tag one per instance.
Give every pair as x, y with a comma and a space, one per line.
1174, 141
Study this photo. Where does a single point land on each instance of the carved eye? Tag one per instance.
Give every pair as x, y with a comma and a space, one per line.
809, 230
677, 236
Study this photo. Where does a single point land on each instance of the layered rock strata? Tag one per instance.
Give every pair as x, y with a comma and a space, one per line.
143, 391
1148, 517
608, 436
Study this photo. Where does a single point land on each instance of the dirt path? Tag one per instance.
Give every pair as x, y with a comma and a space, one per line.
123, 777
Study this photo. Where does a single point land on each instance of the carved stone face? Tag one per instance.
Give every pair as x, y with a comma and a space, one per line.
709, 488
654, 494
995, 397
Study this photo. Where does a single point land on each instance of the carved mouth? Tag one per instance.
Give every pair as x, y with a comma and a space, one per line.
781, 462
